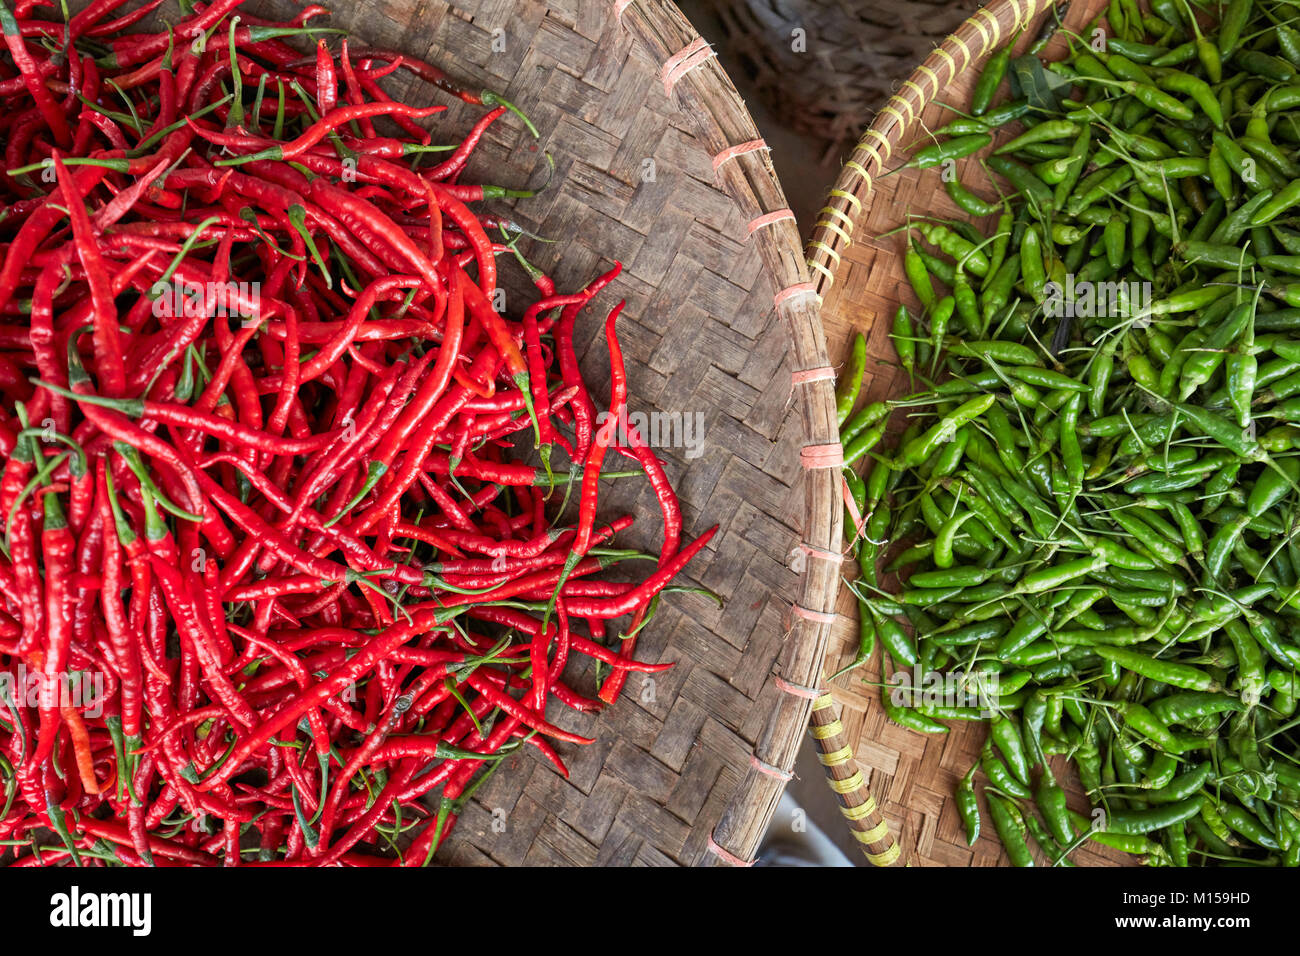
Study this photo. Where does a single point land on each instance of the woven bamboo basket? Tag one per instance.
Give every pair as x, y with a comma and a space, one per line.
860, 279
658, 164
827, 80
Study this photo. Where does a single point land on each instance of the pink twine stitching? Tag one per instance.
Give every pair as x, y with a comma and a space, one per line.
731, 152
768, 219
726, 855
685, 60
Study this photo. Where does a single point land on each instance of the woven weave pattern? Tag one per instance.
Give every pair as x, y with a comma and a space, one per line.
859, 272
829, 79
634, 181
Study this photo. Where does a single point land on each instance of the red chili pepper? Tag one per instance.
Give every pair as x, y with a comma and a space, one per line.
339, 116
605, 436
113, 26
34, 83
624, 604
327, 89
453, 164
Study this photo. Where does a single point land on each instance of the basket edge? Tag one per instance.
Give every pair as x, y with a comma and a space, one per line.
747, 176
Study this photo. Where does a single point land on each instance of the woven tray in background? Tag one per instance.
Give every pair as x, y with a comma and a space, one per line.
854, 53
861, 281
634, 181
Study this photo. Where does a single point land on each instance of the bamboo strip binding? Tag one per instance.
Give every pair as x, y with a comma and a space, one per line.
859, 808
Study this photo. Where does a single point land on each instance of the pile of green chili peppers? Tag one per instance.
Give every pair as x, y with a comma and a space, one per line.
1094, 507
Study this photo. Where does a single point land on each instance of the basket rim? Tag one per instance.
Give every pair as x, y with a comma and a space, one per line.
692, 75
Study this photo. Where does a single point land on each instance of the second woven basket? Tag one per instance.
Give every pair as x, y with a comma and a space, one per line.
858, 269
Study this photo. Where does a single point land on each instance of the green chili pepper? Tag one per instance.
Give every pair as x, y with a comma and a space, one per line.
968, 806
1247, 826
1050, 799
1045, 131
877, 485
1271, 67
967, 201
864, 442
1033, 269
920, 448
919, 277
990, 78
1004, 353
1006, 736
1157, 818
894, 639
957, 147
857, 490
1167, 672
955, 245
1175, 81
1010, 827
909, 717
866, 416
850, 382
1232, 22
995, 118
866, 641
1288, 197
1037, 193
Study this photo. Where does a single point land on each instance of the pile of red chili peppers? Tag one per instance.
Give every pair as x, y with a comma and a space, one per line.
276, 588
